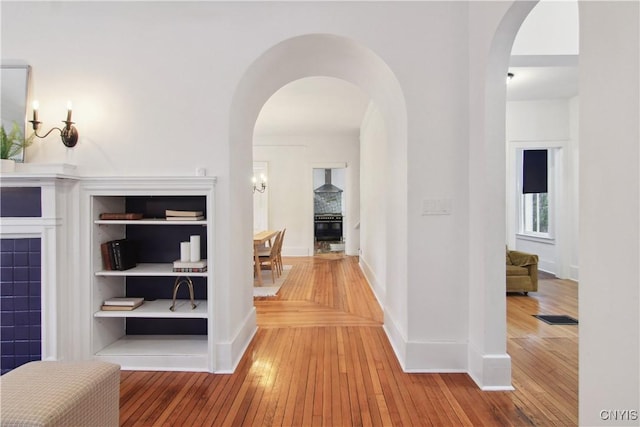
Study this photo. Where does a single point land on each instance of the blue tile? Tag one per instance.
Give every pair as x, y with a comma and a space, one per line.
34, 245
34, 274
7, 304
35, 259
20, 304
21, 289
35, 332
7, 363
7, 318
21, 318
35, 318
6, 259
7, 347
21, 332
6, 274
20, 259
21, 245
35, 289
35, 348
21, 348
6, 332
21, 274
35, 304
6, 245
6, 289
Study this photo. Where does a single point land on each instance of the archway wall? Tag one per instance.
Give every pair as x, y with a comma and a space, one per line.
609, 291
338, 57
492, 30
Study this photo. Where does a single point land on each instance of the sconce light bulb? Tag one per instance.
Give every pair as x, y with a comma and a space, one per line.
36, 105
263, 178
254, 180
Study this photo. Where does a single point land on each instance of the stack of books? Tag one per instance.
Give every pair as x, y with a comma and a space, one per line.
190, 266
120, 215
122, 303
173, 215
118, 255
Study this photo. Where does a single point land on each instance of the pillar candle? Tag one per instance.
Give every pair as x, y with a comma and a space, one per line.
195, 248
185, 251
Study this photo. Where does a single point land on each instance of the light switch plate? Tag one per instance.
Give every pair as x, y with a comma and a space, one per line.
436, 206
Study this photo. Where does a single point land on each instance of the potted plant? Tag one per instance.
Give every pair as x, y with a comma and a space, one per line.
11, 144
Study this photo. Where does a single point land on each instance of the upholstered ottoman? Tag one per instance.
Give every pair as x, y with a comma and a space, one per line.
61, 394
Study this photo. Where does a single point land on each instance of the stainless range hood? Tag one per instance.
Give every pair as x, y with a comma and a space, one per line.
327, 187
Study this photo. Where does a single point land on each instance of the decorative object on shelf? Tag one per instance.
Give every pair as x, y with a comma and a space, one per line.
260, 188
11, 144
173, 215
69, 134
179, 281
122, 303
120, 216
190, 267
185, 251
194, 244
118, 255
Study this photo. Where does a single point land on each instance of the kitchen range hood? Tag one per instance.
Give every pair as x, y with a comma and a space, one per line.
327, 187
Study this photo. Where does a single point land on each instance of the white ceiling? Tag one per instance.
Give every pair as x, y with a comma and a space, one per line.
313, 105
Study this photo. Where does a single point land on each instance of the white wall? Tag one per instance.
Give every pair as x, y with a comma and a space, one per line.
373, 207
291, 160
609, 291
546, 124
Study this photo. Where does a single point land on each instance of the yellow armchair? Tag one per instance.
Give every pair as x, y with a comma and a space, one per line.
522, 272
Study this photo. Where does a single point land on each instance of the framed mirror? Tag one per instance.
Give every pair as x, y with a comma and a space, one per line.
15, 79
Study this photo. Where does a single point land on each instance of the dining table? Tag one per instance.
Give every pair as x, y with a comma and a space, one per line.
260, 239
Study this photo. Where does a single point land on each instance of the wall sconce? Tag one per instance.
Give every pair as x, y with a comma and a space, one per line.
69, 133
259, 187
509, 77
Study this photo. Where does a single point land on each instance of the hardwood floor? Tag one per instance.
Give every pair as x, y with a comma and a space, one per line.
320, 357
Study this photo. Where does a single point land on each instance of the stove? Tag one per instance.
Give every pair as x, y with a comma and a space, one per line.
328, 227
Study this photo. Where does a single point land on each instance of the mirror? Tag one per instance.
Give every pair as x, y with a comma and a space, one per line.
15, 95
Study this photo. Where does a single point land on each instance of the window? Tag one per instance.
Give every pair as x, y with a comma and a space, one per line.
536, 198
535, 213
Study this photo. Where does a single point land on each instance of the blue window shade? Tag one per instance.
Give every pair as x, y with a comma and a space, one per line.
534, 171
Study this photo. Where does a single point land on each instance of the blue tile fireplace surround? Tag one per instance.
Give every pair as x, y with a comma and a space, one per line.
20, 306
20, 283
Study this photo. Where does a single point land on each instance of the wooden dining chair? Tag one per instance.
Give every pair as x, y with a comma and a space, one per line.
269, 257
279, 253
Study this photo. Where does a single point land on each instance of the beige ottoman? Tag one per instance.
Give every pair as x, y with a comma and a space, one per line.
61, 394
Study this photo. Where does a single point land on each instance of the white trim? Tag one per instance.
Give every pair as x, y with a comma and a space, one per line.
491, 372
229, 354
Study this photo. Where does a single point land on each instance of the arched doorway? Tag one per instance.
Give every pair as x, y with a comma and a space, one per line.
294, 59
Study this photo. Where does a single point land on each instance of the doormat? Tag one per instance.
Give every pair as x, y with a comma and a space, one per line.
556, 320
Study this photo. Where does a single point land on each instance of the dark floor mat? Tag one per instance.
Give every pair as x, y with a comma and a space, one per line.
556, 320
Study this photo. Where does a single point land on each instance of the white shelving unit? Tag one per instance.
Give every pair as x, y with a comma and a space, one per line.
111, 337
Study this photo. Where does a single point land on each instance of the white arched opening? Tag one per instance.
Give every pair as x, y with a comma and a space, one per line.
294, 59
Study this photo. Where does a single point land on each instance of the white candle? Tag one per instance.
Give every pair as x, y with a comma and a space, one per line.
195, 248
68, 111
185, 251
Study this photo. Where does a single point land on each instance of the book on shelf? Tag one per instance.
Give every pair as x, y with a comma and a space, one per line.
190, 270
185, 218
120, 215
190, 264
171, 212
106, 307
126, 301
118, 255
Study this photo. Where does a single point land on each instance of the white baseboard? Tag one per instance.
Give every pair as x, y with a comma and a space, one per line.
374, 283
229, 354
491, 372
295, 251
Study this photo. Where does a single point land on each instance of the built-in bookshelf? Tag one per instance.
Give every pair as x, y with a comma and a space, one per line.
157, 335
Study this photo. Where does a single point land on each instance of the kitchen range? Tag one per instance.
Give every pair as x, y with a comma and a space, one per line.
328, 227
327, 218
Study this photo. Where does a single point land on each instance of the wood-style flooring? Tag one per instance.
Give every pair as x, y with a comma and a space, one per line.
321, 357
